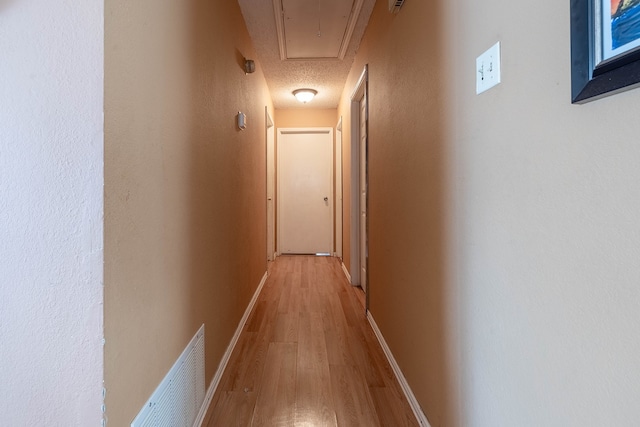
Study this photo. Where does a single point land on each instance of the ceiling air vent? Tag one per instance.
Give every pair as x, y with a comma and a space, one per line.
395, 5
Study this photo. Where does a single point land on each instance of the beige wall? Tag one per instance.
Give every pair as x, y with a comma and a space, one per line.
184, 189
407, 188
503, 226
305, 117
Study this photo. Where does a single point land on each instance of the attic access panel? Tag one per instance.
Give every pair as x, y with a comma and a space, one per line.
315, 29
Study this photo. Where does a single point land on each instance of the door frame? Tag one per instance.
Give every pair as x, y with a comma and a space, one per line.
357, 95
309, 130
270, 185
338, 190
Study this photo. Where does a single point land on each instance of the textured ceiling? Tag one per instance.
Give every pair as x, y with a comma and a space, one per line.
327, 76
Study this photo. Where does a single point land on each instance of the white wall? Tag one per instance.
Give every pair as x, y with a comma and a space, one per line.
548, 248
51, 142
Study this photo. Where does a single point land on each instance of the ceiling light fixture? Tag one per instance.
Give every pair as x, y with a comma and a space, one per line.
304, 95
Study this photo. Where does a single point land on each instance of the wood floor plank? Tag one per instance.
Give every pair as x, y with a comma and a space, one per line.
365, 358
247, 364
308, 356
285, 328
354, 404
239, 409
262, 314
391, 415
275, 405
284, 305
314, 396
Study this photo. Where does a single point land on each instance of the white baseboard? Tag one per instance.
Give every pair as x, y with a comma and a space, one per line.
346, 272
413, 402
227, 355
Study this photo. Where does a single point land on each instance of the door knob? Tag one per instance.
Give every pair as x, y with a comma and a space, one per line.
326, 199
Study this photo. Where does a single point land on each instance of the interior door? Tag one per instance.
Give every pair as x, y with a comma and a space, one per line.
305, 199
358, 183
338, 191
271, 177
363, 192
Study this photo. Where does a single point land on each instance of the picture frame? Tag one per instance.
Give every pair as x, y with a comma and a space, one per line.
599, 66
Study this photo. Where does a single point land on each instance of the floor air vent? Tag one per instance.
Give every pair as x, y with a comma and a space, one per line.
395, 5
177, 400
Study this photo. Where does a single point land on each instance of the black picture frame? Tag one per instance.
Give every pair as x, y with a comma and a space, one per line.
591, 81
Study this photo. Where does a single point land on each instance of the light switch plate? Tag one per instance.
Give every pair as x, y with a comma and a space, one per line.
488, 69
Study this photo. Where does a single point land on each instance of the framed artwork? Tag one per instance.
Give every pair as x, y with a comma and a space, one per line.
605, 48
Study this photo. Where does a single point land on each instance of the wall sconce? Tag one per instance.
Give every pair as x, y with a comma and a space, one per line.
249, 66
304, 95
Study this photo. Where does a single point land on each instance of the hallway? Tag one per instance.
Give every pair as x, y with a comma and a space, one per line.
308, 357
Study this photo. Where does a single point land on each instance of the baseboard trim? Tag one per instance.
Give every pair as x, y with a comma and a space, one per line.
346, 272
227, 355
413, 402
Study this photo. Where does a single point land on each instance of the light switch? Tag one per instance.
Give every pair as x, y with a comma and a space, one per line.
488, 69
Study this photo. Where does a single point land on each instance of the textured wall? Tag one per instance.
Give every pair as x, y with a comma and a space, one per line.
407, 187
549, 241
185, 191
51, 209
503, 232
304, 117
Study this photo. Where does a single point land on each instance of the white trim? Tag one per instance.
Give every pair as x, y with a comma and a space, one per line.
360, 85
227, 355
339, 192
279, 15
346, 272
355, 215
270, 154
351, 25
269, 119
413, 402
303, 131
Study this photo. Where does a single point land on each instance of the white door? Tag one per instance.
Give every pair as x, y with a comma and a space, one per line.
305, 199
338, 206
358, 212
271, 177
363, 192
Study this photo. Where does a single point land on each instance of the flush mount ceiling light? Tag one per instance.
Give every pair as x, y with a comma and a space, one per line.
304, 95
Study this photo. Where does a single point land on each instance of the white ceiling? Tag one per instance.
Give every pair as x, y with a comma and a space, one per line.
317, 44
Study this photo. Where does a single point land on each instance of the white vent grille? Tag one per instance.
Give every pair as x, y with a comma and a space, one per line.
177, 400
395, 5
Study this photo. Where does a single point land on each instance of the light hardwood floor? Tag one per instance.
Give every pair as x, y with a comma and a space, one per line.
308, 357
